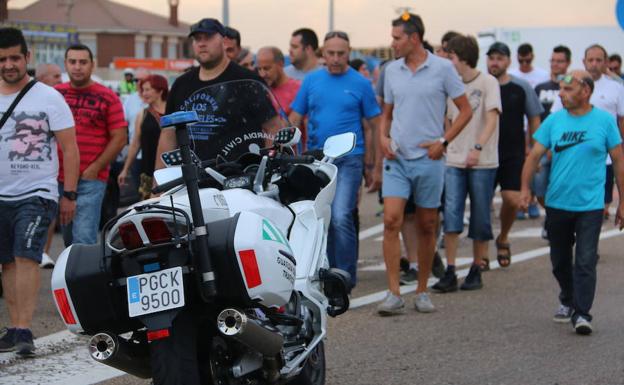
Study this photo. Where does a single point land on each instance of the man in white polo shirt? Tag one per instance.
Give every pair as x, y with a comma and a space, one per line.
413, 141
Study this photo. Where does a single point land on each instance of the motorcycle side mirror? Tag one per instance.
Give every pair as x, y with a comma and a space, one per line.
339, 145
288, 136
168, 174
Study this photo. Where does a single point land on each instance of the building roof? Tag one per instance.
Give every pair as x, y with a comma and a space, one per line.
98, 16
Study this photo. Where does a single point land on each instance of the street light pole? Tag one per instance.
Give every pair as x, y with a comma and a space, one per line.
331, 15
226, 13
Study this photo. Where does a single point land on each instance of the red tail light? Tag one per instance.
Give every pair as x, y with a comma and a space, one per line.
157, 230
63, 304
130, 236
157, 334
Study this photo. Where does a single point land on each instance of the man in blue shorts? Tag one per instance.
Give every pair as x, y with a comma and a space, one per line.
413, 141
580, 137
336, 99
28, 186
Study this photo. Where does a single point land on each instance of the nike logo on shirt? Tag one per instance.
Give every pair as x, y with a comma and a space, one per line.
563, 147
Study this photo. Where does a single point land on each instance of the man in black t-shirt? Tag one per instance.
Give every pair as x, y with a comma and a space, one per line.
235, 112
518, 100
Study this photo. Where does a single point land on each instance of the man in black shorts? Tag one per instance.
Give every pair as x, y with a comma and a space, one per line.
233, 119
518, 100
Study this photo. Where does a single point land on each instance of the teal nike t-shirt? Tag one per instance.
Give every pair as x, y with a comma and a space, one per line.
579, 146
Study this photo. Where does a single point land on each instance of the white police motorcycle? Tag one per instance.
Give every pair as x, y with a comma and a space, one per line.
222, 279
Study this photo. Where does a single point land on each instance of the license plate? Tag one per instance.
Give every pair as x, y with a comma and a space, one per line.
155, 292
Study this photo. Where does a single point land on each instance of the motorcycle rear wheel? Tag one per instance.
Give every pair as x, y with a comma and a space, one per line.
313, 373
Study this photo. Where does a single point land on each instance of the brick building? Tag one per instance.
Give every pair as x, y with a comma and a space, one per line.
110, 29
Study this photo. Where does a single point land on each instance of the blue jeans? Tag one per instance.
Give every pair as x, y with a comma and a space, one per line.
84, 227
575, 272
477, 184
342, 240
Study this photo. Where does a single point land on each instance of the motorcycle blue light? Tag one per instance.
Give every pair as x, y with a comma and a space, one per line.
180, 117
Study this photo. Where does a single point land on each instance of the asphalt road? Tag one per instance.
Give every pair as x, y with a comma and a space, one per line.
502, 334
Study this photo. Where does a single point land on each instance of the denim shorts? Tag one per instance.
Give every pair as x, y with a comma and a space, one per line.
421, 178
477, 184
24, 227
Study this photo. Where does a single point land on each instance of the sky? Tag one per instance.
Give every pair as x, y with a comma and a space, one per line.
270, 22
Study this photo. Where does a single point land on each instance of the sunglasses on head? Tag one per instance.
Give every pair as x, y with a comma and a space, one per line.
569, 78
338, 34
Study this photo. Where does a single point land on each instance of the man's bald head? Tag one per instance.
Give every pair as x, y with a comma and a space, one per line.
270, 65
271, 53
49, 74
584, 78
575, 91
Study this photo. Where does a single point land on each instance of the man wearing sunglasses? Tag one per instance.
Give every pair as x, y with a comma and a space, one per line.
580, 136
335, 100
526, 70
607, 95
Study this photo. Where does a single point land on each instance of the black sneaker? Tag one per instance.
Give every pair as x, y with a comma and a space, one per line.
438, 268
473, 279
446, 284
582, 326
409, 278
7, 342
404, 264
24, 345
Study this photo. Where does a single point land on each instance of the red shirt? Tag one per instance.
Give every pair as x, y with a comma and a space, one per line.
97, 111
285, 94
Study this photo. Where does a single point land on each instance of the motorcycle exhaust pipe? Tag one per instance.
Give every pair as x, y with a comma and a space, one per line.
118, 353
236, 324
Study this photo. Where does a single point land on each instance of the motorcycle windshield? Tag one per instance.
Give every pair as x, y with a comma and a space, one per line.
235, 117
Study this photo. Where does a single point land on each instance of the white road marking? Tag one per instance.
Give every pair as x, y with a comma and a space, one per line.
525, 256
63, 359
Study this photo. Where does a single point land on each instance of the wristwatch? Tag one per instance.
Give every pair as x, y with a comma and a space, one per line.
443, 141
478, 147
71, 195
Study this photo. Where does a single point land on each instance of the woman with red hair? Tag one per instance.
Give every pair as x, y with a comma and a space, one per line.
154, 90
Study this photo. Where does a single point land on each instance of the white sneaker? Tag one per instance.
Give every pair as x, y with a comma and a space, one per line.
423, 303
391, 305
46, 261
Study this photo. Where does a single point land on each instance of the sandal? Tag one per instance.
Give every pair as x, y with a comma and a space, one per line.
504, 260
485, 264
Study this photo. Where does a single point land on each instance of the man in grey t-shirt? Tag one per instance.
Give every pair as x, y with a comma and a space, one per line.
519, 100
302, 52
413, 140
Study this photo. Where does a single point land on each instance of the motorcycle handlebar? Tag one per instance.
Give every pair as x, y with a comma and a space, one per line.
287, 159
306, 159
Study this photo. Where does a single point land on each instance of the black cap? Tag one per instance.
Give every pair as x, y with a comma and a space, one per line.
499, 47
209, 26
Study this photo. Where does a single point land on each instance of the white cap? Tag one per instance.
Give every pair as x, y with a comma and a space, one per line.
128, 71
